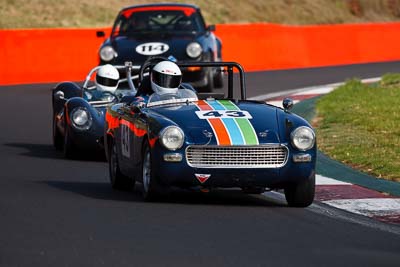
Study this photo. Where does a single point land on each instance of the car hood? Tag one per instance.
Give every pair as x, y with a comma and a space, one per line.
127, 47
206, 122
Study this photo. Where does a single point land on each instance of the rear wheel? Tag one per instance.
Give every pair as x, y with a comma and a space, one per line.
151, 187
301, 194
118, 180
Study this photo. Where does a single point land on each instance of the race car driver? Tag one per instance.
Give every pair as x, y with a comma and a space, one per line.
165, 78
107, 78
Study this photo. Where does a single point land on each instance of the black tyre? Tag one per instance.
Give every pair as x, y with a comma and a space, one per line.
301, 194
57, 137
218, 79
151, 188
209, 87
118, 180
69, 149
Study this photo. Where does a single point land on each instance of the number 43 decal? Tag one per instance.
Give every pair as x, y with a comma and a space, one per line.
222, 114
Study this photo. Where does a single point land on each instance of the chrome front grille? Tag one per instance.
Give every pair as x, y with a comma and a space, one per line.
263, 156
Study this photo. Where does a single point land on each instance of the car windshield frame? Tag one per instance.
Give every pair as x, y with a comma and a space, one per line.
157, 20
182, 96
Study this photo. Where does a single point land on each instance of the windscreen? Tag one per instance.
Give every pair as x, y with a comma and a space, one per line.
133, 22
182, 96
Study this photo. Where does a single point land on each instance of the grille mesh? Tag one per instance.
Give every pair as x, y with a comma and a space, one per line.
272, 156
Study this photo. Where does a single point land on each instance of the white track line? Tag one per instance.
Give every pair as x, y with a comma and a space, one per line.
368, 206
279, 103
317, 91
322, 180
304, 90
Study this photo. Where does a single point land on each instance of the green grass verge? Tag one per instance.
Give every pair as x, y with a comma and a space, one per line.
359, 125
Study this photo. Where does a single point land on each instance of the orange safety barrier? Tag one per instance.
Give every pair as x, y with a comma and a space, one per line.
272, 46
53, 55
47, 55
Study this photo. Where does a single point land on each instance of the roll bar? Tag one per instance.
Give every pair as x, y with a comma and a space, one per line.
230, 66
128, 67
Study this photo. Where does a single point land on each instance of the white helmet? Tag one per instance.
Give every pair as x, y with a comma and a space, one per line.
165, 78
107, 78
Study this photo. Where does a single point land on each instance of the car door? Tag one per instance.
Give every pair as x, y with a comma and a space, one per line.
126, 137
118, 130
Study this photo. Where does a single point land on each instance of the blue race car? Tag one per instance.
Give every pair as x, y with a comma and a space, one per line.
177, 140
163, 29
79, 111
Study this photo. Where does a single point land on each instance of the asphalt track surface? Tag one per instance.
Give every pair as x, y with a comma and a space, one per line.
58, 212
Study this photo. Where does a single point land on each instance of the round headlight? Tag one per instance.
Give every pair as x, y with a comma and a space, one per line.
172, 137
107, 53
194, 50
81, 118
303, 138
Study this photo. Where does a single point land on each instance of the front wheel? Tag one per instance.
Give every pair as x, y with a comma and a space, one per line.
301, 194
218, 78
117, 179
210, 81
69, 148
57, 137
151, 188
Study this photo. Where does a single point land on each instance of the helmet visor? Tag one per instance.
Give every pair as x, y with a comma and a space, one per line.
106, 81
166, 80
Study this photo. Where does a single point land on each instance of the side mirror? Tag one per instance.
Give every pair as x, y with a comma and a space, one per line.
211, 28
287, 104
59, 95
100, 34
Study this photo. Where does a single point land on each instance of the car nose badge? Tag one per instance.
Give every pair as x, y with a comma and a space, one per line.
207, 134
263, 134
202, 177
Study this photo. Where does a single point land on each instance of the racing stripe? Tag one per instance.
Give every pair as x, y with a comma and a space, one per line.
233, 129
246, 128
220, 132
248, 131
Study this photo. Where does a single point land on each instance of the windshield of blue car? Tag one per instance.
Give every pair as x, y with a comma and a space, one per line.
157, 21
180, 97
